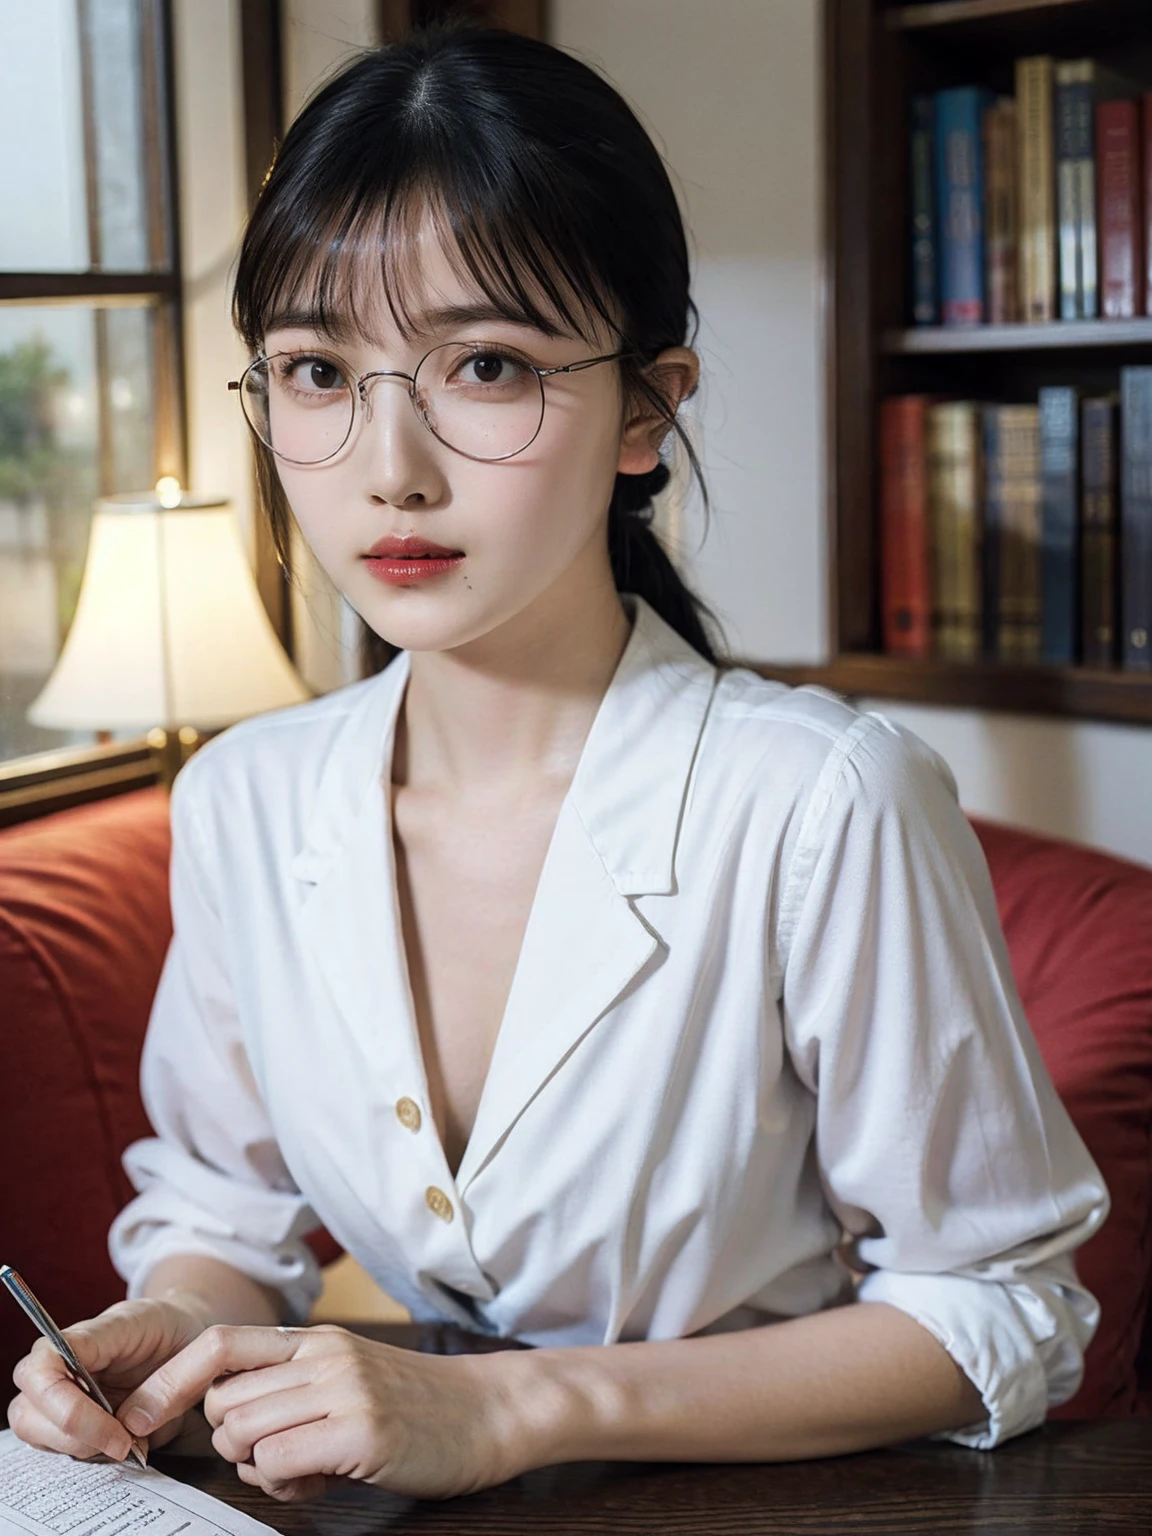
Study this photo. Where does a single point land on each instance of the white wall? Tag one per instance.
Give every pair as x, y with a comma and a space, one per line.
731, 91
213, 208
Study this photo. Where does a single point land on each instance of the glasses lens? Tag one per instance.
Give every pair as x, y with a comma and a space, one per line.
299, 404
479, 399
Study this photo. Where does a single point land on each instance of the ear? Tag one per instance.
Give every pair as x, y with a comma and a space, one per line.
673, 375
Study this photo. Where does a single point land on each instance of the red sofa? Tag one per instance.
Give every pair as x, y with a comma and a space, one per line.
84, 924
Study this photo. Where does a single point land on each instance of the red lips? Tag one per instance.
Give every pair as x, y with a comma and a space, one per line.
411, 548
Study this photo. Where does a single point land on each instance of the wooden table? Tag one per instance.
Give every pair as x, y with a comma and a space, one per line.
1062, 1478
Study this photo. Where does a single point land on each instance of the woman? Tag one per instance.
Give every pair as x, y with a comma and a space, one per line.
591, 990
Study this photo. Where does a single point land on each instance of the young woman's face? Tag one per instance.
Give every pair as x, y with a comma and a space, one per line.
528, 526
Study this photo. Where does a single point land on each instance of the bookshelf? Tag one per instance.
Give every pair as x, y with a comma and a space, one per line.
876, 54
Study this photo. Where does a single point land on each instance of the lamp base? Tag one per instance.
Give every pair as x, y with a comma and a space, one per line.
171, 750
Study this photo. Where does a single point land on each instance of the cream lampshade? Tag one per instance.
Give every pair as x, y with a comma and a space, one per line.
169, 628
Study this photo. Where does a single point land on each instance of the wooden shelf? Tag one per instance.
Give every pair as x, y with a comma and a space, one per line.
1054, 335
943, 13
1078, 691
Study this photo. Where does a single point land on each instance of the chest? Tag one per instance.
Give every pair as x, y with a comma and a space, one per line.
466, 880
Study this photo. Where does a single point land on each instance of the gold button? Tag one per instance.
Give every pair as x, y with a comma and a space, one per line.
438, 1203
408, 1114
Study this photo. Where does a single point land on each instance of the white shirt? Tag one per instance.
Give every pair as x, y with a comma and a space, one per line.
763, 1001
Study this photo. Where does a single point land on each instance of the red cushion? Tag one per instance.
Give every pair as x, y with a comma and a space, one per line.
84, 926
1079, 928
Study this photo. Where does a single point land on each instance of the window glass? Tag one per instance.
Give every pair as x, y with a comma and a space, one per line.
74, 131
77, 384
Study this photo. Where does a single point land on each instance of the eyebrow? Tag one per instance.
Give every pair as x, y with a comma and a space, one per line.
431, 322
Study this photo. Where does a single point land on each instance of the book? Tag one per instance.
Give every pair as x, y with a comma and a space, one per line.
1036, 182
1098, 542
925, 305
906, 609
1059, 409
1120, 210
955, 506
1072, 99
1001, 215
960, 202
1136, 517
1011, 544
1146, 179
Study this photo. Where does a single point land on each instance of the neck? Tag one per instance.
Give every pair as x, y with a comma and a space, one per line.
508, 714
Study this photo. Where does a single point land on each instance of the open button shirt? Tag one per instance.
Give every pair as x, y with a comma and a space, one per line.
762, 1039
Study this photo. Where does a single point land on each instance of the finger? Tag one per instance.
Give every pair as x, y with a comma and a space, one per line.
46, 1382
181, 1382
293, 1491
234, 1391
243, 1426
332, 1447
32, 1425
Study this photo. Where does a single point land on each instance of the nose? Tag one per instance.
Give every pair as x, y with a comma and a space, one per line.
381, 373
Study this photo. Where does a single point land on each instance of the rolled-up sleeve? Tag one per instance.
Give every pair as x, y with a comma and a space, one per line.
212, 1180
942, 1144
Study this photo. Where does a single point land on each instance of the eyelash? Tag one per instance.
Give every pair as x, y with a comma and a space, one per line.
287, 363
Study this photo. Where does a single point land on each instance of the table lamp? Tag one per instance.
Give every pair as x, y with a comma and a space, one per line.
170, 635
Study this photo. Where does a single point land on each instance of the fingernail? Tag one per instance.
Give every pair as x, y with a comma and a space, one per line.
136, 1420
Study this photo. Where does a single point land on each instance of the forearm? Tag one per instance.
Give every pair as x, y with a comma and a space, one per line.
213, 1291
844, 1380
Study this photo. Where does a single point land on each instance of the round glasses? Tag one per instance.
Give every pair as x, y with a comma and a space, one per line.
477, 397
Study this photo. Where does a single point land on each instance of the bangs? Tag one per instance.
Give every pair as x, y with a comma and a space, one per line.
329, 274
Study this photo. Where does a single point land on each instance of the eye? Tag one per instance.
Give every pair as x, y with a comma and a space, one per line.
310, 374
490, 368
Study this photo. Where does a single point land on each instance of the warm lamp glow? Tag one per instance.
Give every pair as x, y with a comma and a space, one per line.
168, 491
169, 628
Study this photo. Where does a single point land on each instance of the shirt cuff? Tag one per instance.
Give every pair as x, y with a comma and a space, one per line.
980, 1326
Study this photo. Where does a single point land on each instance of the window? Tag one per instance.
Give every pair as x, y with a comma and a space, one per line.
91, 398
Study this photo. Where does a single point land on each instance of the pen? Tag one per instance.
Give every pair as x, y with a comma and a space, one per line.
23, 1295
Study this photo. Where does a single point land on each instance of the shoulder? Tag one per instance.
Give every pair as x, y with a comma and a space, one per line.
810, 746
282, 753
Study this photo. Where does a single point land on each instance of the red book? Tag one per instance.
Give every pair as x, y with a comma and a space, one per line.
1146, 149
906, 598
1120, 204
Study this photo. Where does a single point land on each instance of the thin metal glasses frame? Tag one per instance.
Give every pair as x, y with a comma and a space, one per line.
361, 395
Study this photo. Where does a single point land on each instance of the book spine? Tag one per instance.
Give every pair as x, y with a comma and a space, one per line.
1119, 201
1034, 80
904, 528
993, 529
1000, 213
1146, 181
1136, 516
1060, 522
955, 513
960, 199
1098, 544
1071, 104
925, 306
1014, 487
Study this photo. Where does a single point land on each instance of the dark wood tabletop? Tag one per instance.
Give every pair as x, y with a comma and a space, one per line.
1086, 1478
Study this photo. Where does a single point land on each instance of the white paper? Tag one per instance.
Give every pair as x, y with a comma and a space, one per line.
46, 1494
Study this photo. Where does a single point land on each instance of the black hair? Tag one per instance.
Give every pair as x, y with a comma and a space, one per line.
530, 164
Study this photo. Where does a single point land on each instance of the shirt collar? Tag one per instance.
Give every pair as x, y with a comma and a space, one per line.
630, 783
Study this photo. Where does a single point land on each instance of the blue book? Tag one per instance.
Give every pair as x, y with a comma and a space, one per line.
1136, 516
960, 201
922, 201
1059, 524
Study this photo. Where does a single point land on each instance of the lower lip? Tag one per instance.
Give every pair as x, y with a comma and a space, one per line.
400, 572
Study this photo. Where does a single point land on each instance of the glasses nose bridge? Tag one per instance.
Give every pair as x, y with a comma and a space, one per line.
382, 373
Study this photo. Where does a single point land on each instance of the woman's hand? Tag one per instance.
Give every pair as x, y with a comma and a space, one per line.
295, 1406
121, 1347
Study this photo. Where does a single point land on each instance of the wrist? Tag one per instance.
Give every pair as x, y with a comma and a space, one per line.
196, 1307
554, 1406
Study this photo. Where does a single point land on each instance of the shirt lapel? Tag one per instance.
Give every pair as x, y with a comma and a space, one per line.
585, 942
